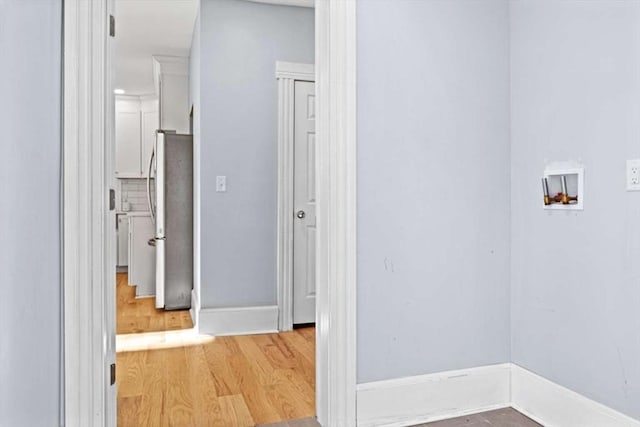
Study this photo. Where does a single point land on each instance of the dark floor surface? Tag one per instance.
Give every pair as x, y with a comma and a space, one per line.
507, 417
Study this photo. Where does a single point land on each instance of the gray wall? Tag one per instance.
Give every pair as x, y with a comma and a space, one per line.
240, 44
30, 307
433, 186
576, 277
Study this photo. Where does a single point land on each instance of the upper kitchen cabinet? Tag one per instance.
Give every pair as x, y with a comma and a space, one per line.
137, 118
171, 77
128, 154
149, 122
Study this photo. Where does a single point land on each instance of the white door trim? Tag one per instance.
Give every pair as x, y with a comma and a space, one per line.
85, 209
86, 201
336, 212
287, 73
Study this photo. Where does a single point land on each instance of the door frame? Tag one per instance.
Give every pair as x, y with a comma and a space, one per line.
287, 73
86, 241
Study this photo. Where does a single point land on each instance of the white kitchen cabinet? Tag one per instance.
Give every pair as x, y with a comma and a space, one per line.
171, 79
137, 119
128, 160
123, 240
142, 256
150, 123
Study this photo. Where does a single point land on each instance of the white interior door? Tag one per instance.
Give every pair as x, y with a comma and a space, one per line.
304, 202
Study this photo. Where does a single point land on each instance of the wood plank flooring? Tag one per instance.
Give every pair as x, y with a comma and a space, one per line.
140, 315
229, 381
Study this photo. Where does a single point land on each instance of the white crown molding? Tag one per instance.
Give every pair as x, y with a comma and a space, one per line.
295, 71
298, 3
176, 65
238, 320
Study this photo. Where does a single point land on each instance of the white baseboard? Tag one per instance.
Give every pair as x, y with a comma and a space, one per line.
553, 405
238, 320
443, 395
193, 309
433, 397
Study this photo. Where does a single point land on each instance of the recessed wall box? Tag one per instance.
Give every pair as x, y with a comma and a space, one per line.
563, 188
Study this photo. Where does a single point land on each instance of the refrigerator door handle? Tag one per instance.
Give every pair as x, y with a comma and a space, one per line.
153, 215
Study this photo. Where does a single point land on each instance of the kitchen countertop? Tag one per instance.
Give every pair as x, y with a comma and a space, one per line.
135, 213
139, 213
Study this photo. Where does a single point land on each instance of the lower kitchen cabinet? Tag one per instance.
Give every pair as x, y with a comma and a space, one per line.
122, 232
142, 256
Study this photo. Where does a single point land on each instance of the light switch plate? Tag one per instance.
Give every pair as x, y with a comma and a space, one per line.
633, 175
221, 184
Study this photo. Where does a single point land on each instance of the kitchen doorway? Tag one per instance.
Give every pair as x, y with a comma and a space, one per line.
150, 50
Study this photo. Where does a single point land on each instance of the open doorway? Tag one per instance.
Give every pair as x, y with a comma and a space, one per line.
89, 235
150, 69
197, 95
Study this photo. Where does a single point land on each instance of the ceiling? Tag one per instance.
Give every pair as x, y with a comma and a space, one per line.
145, 28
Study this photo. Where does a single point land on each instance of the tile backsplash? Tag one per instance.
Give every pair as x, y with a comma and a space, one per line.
134, 191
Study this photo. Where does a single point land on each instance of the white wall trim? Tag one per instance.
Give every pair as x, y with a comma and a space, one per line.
336, 212
287, 73
87, 246
193, 311
556, 406
295, 71
433, 397
238, 320
444, 395
174, 65
298, 3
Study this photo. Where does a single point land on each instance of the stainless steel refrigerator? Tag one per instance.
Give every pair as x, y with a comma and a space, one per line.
171, 206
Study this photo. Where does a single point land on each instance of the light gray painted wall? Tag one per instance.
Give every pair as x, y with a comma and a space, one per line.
30, 307
433, 186
576, 277
240, 44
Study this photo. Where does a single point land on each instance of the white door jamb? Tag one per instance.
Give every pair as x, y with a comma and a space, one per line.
86, 251
287, 73
336, 212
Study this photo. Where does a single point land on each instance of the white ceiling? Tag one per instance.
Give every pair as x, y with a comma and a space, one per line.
145, 28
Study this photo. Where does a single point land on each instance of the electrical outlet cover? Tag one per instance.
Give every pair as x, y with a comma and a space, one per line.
633, 175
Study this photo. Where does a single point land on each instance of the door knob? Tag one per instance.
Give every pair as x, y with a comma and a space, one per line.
300, 214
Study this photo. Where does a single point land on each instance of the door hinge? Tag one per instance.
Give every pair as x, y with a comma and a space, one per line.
112, 199
113, 373
112, 26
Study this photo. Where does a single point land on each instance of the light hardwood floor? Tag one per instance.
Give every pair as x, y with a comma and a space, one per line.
230, 381
140, 315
